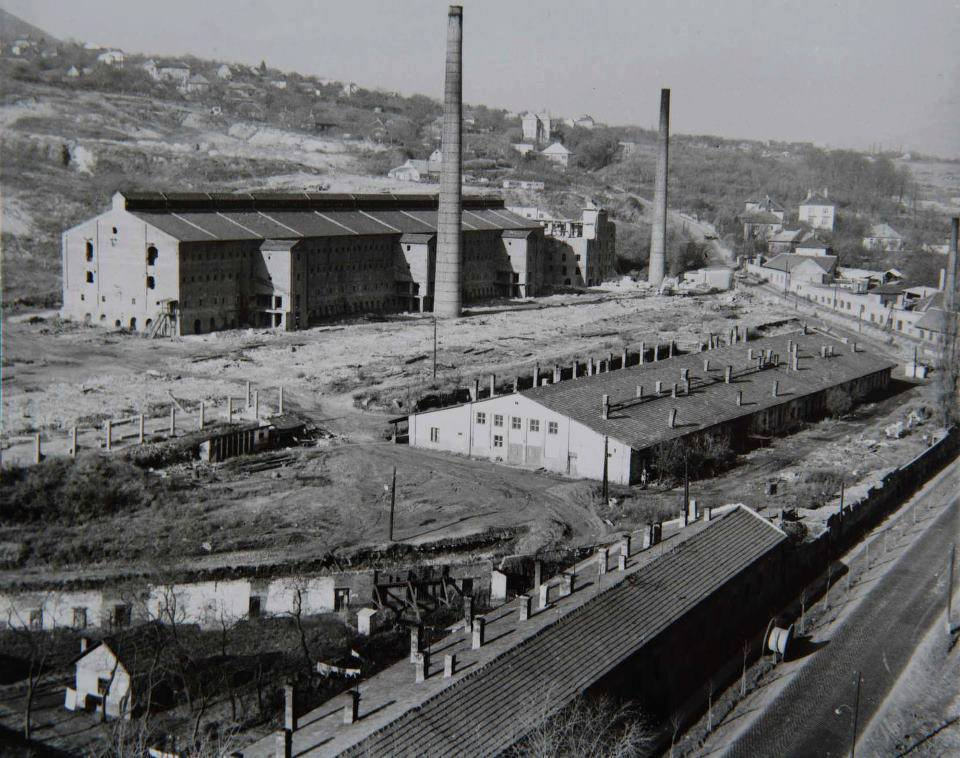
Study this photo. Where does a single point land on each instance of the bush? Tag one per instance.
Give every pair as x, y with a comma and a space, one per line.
699, 456
838, 402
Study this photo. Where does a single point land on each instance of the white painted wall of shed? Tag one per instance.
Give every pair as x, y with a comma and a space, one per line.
204, 603
316, 594
575, 450
102, 663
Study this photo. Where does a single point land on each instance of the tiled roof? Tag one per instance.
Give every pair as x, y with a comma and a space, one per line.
202, 217
492, 708
790, 261
884, 231
760, 217
787, 235
933, 319
640, 423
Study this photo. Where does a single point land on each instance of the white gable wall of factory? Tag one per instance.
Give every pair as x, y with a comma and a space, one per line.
516, 430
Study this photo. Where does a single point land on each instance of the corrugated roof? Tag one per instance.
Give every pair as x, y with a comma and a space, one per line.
640, 423
202, 217
490, 707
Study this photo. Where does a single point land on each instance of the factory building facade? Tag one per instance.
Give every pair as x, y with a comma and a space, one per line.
190, 263
584, 418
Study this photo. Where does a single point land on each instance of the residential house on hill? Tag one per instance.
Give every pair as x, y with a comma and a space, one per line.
817, 211
813, 246
765, 204
411, 171
224, 72
536, 127
176, 72
885, 238
197, 84
785, 241
791, 269
760, 225
111, 58
558, 154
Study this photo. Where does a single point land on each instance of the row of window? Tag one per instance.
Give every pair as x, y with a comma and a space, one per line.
517, 423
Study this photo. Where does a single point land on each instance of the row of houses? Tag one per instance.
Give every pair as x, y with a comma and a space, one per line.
538, 127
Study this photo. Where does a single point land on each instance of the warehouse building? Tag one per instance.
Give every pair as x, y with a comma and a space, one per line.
189, 263
565, 424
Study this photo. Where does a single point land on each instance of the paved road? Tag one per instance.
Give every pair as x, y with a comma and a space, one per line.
813, 715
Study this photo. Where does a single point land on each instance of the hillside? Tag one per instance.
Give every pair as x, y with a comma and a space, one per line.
75, 129
13, 28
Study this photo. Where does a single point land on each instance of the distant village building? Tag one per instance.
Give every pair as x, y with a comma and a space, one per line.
790, 268
197, 84
765, 204
176, 72
411, 171
817, 211
111, 58
558, 154
278, 83
523, 184
522, 147
435, 161
73, 72
350, 89
628, 148
583, 122
784, 241
536, 128
224, 72
813, 247
760, 225
884, 238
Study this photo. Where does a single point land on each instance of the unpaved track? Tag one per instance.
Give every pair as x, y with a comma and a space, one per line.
813, 714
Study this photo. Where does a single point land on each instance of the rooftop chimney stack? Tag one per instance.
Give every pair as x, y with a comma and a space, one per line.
606, 406
447, 284
658, 238
672, 420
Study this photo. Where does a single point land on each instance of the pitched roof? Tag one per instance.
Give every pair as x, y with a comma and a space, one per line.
766, 203
139, 649
789, 261
204, 217
545, 662
642, 422
556, 149
760, 217
884, 231
787, 235
933, 319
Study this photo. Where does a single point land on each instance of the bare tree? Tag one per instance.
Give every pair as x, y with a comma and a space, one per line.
37, 646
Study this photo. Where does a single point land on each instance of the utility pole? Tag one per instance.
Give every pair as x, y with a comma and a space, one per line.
856, 714
686, 484
393, 500
953, 561
434, 348
606, 485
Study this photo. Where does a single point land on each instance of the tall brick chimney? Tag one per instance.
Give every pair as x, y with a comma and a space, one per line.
447, 292
658, 238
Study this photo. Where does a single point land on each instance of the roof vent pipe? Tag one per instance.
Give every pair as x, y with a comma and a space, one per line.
639, 390
643, 350
556, 373
727, 374
739, 397
606, 406
776, 388
672, 419
659, 387
493, 385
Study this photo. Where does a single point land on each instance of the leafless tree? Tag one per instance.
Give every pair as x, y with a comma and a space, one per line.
37, 645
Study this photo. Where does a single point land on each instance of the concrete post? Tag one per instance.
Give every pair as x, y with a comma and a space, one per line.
479, 630
256, 405
658, 387
556, 373
672, 418
643, 350
248, 394
589, 366
656, 352
173, 421
229, 409
621, 563
493, 385
576, 370
280, 401
648, 537
475, 390
449, 665
73, 442
422, 664
623, 358
692, 515
625, 545
351, 710
108, 427
201, 415
140, 429
602, 558
706, 365
416, 642
289, 708
37, 455
639, 390
673, 392
566, 583
284, 743
536, 374
524, 607
670, 349
605, 407
544, 595
448, 280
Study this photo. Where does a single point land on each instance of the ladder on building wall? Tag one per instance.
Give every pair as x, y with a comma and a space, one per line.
161, 327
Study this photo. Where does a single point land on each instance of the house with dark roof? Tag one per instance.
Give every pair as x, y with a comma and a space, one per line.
790, 268
760, 225
589, 421
118, 674
785, 241
817, 211
210, 261
766, 204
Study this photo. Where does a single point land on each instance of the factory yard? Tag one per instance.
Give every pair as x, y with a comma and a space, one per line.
348, 380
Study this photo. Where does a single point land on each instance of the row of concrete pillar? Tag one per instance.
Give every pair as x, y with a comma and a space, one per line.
110, 425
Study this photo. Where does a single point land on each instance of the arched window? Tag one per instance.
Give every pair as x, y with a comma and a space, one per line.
89, 250
152, 255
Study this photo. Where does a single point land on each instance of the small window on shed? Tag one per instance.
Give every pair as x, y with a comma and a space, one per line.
151, 283
89, 277
152, 255
89, 250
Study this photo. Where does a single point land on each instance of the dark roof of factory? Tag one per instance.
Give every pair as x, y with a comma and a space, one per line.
205, 217
642, 422
788, 261
493, 707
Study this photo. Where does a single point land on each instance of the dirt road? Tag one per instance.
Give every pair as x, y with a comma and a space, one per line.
814, 713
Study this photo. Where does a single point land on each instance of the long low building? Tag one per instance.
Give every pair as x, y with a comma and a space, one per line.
564, 425
187, 263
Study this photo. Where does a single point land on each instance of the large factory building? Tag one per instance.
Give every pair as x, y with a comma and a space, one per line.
189, 263
566, 421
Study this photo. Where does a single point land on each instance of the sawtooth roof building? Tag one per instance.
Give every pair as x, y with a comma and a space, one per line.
563, 423
187, 263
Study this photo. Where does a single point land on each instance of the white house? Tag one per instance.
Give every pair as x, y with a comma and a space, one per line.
536, 127
558, 154
818, 212
111, 58
73, 72
224, 72
195, 85
885, 238
435, 161
176, 72
411, 171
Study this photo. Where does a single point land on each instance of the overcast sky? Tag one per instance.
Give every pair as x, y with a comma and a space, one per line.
850, 73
